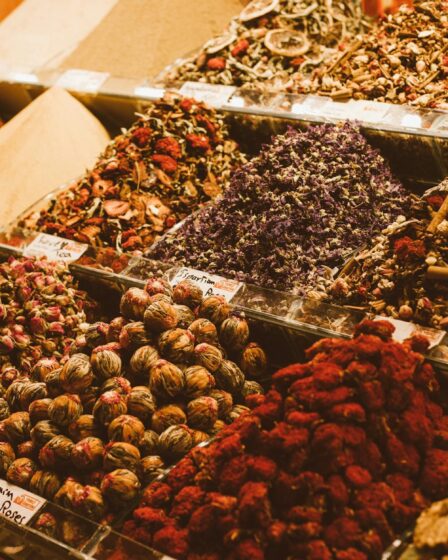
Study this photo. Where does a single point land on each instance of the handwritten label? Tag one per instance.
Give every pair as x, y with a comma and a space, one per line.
55, 248
369, 111
404, 330
82, 80
211, 284
214, 95
338, 110
17, 504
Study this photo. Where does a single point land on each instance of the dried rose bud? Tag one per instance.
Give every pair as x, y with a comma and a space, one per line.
199, 437
7, 456
236, 412
127, 428
229, 377
166, 380
133, 335
47, 524
175, 442
65, 409
254, 361
76, 374
121, 455
185, 316
208, 356
160, 316
40, 370
202, 413
87, 453
27, 449
45, 483
119, 384
167, 416
142, 360
9, 375
4, 409
105, 363
56, 453
234, 333
43, 431
158, 286
204, 331
198, 381
149, 444
141, 403
150, 468
187, 293
120, 486
133, 303
38, 410
89, 398
176, 345
224, 400
96, 334
108, 406
85, 426
215, 309
32, 392
17, 427
7, 344
251, 388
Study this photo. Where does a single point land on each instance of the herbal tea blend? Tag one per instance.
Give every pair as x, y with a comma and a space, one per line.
177, 156
339, 457
294, 213
271, 40
403, 59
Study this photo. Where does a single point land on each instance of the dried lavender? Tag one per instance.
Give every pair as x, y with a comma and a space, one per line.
270, 41
402, 60
293, 213
177, 156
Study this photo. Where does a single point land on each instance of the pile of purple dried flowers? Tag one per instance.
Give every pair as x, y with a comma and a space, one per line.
294, 213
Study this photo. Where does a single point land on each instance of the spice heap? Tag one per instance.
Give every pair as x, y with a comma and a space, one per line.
134, 395
391, 276
41, 311
270, 41
293, 213
403, 59
342, 453
177, 156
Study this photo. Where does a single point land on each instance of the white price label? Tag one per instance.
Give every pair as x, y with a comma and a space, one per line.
338, 110
18, 505
214, 95
369, 111
82, 80
211, 284
55, 248
404, 330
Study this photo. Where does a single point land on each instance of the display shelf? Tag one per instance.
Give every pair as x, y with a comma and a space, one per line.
304, 317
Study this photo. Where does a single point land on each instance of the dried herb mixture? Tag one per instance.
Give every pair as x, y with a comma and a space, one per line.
403, 59
331, 464
271, 40
293, 213
177, 156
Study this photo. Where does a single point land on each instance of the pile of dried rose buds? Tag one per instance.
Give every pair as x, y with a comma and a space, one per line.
294, 213
390, 277
177, 156
41, 310
133, 395
341, 455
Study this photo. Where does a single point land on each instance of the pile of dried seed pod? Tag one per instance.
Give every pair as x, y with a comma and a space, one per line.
41, 310
270, 41
393, 275
134, 395
403, 59
177, 156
